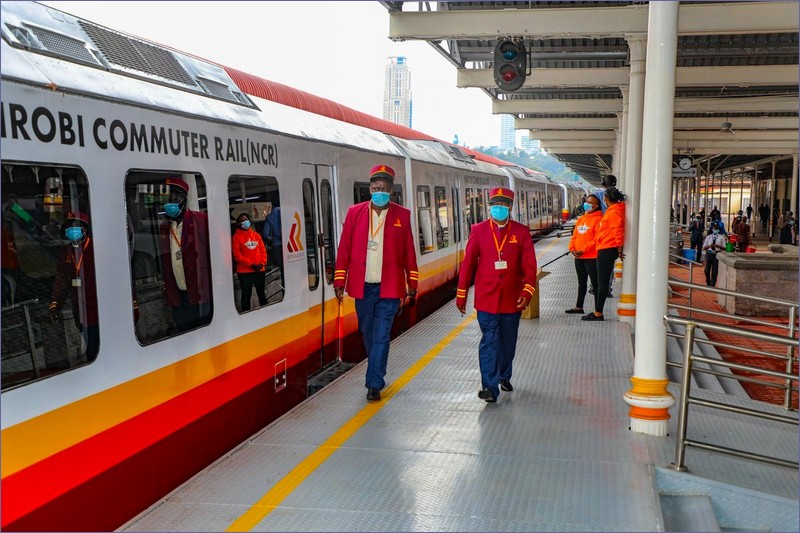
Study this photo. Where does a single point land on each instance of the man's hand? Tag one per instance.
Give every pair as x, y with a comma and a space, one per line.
412, 296
462, 307
256, 266
577, 253
339, 292
522, 302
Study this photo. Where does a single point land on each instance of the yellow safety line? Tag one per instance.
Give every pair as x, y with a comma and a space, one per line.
272, 499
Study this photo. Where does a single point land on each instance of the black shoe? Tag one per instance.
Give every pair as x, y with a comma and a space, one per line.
373, 395
506, 385
488, 395
592, 317
574, 310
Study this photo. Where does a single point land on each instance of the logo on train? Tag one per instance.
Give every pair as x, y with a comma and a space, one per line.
295, 243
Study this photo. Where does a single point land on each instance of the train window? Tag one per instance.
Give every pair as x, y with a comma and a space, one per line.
169, 255
469, 209
310, 223
361, 193
456, 215
442, 217
328, 233
480, 213
257, 250
522, 211
49, 294
425, 219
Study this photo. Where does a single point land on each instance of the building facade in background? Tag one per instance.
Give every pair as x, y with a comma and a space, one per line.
529, 145
508, 135
397, 92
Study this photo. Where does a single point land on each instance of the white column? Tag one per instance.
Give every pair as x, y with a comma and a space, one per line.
626, 306
623, 174
771, 200
649, 399
793, 190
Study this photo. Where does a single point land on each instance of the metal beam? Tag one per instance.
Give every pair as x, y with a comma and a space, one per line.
606, 105
576, 151
744, 147
565, 135
600, 146
714, 150
568, 123
756, 104
737, 135
591, 22
747, 76
680, 123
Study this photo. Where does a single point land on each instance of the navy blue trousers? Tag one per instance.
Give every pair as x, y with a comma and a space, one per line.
375, 317
497, 347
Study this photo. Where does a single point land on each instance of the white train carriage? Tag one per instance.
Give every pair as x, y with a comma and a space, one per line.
110, 406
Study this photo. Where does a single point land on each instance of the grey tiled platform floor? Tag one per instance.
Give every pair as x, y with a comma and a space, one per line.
553, 455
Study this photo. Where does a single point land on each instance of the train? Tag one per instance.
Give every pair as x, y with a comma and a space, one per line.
108, 404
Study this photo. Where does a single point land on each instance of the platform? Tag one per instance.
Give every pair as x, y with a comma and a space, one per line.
555, 454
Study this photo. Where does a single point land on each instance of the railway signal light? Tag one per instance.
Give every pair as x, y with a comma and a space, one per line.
510, 64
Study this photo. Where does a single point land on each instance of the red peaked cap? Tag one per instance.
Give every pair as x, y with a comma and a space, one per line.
500, 194
177, 182
382, 172
76, 216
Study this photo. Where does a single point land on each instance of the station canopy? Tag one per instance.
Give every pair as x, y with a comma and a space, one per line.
736, 96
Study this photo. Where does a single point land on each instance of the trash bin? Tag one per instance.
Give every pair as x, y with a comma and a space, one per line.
751, 249
690, 254
730, 247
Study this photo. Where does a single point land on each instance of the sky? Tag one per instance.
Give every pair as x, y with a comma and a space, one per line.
336, 50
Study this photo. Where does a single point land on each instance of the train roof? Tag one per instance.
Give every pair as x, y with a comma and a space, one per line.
115, 66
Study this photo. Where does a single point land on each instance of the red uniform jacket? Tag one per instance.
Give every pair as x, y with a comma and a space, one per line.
497, 291
399, 252
583, 236
248, 249
84, 298
196, 259
611, 230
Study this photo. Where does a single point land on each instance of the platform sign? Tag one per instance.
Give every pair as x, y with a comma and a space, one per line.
684, 168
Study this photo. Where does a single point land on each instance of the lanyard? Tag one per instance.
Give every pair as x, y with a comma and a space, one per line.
77, 265
371, 233
175, 236
499, 247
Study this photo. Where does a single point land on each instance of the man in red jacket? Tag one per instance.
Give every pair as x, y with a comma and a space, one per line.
377, 264
501, 260
185, 260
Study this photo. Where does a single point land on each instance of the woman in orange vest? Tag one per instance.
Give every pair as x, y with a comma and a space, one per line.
250, 256
582, 245
610, 236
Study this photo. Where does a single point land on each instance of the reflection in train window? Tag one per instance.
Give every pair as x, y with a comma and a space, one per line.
361, 193
480, 210
469, 209
169, 255
49, 294
456, 215
442, 217
328, 234
310, 224
522, 211
425, 219
257, 250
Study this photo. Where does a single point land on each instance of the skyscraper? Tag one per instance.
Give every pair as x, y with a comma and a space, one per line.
508, 136
397, 92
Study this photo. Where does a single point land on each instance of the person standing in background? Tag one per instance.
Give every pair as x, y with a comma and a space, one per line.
500, 259
273, 237
185, 259
250, 256
696, 230
712, 245
610, 239
583, 247
377, 263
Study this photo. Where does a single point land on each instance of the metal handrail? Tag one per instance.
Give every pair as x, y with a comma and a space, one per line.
793, 308
686, 399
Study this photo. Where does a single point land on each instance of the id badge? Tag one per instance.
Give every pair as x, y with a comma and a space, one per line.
76, 282
500, 265
178, 254
372, 245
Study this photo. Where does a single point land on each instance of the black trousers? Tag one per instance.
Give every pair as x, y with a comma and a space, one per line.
711, 269
605, 268
698, 245
248, 280
585, 268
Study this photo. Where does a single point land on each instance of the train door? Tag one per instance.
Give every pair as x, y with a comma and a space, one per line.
458, 220
320, 240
